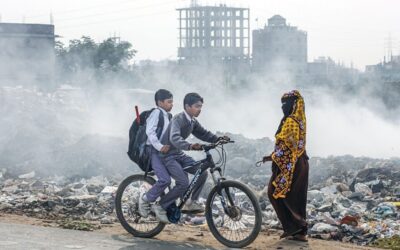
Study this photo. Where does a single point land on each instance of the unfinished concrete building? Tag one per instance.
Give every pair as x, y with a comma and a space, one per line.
26, 53
214, 34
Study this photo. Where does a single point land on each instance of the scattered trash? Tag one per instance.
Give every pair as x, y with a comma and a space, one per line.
362, 188
107, 220
323, 228
198, 220
60, 198
349, 220
27, 176
358, 204
385, 210
109, 190
350, 199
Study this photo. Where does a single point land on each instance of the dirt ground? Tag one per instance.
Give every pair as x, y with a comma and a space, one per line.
198, 235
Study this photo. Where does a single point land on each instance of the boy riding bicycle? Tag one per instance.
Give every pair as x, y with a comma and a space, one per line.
179, 129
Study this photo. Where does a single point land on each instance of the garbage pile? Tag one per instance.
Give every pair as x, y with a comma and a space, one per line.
59, 199
361, 207
42, 135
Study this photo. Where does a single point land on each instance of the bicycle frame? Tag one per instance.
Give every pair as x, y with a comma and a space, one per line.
205, 164
127, 212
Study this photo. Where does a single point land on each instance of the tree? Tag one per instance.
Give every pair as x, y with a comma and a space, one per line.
85, 53
113, 53
81, 53
85, 60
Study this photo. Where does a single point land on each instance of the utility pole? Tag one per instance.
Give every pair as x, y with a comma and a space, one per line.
117, 39
51, 18
389, 47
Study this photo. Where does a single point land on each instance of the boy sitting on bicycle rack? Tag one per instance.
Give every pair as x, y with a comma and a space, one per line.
179, 129
164, 102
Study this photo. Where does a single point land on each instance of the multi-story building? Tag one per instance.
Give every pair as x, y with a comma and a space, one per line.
213, 34
279, 47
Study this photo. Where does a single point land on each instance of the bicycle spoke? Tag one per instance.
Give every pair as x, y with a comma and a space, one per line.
130, 211
239, 227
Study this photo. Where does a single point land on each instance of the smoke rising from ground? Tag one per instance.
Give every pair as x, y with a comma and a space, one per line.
84, 125
338, 124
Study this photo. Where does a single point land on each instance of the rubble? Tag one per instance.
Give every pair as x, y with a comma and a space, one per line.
323, 228
27, 176
60, 171
335, 211
194, 220
360, 209
363, 188
351, 200
73, 204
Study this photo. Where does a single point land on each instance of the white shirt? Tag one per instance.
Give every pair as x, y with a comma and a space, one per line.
190, 119
151, 128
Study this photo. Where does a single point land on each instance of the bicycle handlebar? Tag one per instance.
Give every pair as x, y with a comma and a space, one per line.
208, 147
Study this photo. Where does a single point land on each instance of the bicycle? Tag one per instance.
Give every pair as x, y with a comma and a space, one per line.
232, 210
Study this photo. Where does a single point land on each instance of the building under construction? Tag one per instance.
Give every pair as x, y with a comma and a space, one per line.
214, 34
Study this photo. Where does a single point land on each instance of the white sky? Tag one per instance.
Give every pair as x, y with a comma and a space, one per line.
347, 30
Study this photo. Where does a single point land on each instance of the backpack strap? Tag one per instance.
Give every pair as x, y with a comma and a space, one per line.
160, 124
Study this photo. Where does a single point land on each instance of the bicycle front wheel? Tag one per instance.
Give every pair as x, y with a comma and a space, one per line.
237, 223
126, 206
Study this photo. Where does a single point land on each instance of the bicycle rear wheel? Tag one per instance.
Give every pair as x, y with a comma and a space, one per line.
126, 206
240, 223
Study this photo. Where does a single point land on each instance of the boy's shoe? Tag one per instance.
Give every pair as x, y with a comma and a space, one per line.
144, 206
193, 207
160, 212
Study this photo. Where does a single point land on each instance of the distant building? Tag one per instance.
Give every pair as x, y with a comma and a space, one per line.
213, 34
389, 71
322, 67
324, 70
26, 53
279, 47
387, 74
214, 41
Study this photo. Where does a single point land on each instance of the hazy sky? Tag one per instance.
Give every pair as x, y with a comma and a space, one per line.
347, 30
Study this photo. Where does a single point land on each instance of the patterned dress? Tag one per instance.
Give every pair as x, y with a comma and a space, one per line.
289, 181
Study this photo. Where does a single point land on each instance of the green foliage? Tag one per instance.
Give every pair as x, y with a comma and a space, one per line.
113, 53
85, 54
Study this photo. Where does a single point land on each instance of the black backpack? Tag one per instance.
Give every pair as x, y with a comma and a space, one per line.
137, 151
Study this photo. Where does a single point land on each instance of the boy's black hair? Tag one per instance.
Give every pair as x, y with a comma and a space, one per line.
161, 95
191, 99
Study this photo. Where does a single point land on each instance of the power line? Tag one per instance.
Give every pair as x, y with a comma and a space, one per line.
120, 10
117, 19
85, 8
